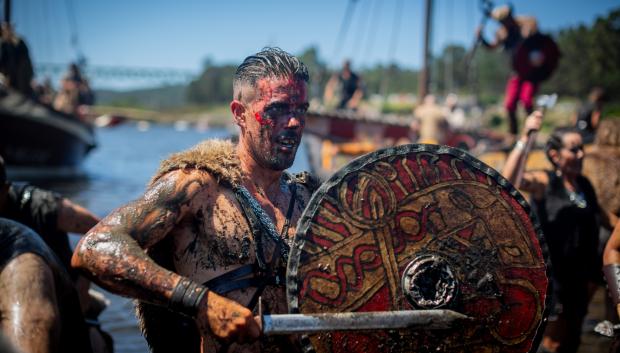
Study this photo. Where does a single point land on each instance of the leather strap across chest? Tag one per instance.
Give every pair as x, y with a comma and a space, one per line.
261, 273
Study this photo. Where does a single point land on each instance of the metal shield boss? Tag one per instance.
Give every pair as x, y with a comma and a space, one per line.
420, 227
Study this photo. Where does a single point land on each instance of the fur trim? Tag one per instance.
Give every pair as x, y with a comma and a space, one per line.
217, 157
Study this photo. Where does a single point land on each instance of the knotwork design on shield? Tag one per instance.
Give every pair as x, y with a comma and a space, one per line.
421, 227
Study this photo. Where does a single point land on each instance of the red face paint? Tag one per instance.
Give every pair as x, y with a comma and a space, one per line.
261, 121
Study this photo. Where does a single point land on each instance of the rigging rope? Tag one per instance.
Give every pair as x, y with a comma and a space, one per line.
449, 52
395, 30
364, 26
344, 26
371, 39
385, 80
48, 47
73, 29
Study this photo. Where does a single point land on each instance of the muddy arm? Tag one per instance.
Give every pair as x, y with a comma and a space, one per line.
74, 218
30, 317
612, 249
611, 266
113, 254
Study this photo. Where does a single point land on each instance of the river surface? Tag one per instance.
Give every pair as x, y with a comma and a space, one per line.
117, 172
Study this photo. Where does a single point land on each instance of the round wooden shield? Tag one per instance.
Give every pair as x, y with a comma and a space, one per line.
536, 57
419, 227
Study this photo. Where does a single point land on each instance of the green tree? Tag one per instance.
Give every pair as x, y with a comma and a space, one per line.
213, 86
590, 57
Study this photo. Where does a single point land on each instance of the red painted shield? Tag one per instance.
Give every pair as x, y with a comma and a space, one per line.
421, 227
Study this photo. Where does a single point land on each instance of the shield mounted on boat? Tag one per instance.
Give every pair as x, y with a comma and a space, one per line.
419, 227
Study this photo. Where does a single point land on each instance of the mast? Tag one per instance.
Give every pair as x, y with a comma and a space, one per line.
424, 79
7, 11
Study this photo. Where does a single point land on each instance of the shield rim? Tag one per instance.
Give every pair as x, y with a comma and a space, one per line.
372, 157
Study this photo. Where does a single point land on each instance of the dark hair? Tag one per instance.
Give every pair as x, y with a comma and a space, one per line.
2, 172
269, 62
597, 95
555, 140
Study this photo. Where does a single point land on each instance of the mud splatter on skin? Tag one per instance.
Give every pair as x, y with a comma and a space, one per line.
277, 100
112, 252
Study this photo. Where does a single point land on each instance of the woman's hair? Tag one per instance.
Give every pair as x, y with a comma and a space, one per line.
608, 133
555, 140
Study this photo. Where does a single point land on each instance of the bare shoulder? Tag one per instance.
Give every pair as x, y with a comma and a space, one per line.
26, 277
166, 201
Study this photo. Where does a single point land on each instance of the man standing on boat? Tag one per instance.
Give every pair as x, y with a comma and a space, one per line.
15, 65
344, 87
215, 222
512, 32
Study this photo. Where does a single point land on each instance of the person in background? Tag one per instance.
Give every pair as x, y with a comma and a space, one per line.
75, 92
44, 92
15, 64
512, 31
430, 121
39, 306
345, 87
589, 114
52, 216
567, 208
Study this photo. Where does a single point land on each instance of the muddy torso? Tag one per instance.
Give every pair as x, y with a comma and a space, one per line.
216, 238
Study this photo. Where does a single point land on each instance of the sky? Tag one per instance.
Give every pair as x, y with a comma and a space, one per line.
183, 34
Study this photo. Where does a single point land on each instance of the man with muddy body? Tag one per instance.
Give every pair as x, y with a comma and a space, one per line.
217, 218
39, 307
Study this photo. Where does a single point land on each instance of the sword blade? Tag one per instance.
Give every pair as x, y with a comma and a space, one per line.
311, 323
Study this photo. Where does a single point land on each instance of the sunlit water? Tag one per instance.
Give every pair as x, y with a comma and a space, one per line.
116, 173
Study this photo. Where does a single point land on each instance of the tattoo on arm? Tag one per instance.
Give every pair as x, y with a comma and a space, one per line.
113, 251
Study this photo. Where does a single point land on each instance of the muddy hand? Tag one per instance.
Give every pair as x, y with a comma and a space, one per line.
226, 319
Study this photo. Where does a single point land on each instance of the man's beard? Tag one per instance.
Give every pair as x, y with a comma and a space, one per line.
272, 158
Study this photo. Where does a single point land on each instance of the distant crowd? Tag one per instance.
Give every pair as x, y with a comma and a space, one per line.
17, 74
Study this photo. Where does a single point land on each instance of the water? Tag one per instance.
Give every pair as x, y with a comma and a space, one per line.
116, 173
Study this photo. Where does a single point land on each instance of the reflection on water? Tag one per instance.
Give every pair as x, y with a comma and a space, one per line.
116, 173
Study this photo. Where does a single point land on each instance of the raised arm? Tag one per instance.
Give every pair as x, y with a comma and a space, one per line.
490, 45
532, 182
356, 99
112, 254
329, 93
